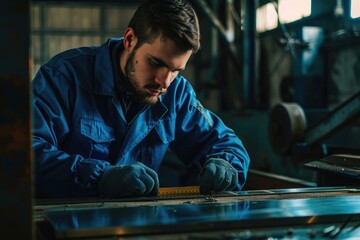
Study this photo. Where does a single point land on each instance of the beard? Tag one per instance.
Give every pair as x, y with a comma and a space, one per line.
140, 93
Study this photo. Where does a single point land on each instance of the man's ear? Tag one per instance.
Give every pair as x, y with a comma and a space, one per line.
130, 38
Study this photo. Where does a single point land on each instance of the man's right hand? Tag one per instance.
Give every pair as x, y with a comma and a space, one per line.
128, 180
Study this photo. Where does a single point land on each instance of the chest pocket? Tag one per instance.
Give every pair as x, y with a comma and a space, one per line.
100, 137
157, 142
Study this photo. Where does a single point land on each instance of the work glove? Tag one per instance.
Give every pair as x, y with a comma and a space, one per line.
128, 180
217, 175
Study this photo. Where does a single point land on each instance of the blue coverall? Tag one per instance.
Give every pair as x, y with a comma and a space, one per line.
80, 126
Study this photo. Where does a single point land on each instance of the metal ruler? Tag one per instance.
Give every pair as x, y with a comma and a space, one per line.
178, 191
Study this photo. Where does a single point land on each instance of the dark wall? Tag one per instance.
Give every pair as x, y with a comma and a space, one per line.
15, 160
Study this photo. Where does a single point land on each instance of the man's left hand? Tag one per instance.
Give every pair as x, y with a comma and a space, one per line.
217, 175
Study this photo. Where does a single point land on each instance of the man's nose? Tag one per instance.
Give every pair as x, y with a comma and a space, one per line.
163, 77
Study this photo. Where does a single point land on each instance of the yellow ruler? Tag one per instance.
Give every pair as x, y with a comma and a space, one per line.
178, 191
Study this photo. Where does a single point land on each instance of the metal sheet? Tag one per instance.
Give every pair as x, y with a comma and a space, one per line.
353, 172
161, 219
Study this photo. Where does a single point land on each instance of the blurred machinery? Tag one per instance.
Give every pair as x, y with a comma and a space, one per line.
299, 90
337, 165
289, 134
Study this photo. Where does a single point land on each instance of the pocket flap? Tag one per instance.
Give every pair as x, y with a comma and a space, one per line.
97, 131
165, 130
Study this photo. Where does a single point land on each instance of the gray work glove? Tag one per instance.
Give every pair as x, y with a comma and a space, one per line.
128, 180
217, 175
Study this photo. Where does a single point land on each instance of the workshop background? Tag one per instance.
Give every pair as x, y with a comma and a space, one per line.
285, 75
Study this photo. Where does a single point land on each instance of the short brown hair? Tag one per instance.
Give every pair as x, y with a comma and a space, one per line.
174, 19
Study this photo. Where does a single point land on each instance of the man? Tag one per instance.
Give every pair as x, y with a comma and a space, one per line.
105, 116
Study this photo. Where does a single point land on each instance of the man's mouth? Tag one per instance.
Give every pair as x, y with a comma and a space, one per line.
155, 92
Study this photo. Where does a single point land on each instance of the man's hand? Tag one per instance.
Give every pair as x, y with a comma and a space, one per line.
217, 175
129, 180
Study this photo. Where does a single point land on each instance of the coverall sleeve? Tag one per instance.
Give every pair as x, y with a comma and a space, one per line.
201, 135
58, 174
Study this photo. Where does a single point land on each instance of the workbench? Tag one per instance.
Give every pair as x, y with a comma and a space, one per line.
301, 213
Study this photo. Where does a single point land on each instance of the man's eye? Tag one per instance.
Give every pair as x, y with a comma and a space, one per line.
155, 63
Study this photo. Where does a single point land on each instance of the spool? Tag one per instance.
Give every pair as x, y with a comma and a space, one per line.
287, 124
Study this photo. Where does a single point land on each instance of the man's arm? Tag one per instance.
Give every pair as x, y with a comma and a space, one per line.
202, 137
58, 174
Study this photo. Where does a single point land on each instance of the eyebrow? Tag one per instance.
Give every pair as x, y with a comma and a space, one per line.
161, 62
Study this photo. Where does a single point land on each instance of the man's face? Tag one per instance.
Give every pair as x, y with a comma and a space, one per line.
152, 67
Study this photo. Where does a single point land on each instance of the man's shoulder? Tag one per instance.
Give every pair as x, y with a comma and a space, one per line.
85, 55
179, 92
74, 54
181, 84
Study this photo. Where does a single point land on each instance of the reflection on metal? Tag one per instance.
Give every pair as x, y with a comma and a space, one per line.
217, 216
352, 172
337, 170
